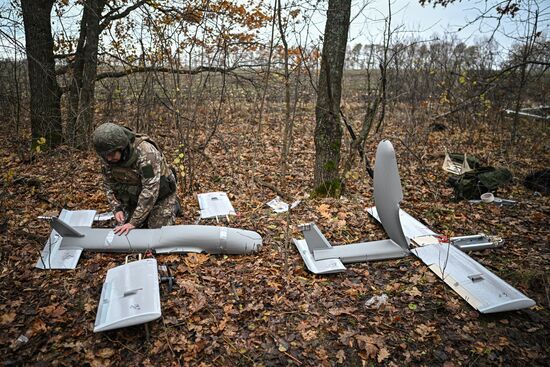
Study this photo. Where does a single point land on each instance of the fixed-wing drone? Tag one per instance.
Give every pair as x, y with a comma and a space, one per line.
482, 289
130, 293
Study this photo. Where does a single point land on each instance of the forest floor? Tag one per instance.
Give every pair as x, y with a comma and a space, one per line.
257, 310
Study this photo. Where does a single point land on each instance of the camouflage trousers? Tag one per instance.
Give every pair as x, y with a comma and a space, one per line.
162, 214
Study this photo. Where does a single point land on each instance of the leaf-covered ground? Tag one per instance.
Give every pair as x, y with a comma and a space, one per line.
257, 310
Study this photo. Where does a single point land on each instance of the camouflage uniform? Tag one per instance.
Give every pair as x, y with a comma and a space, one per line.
143, 185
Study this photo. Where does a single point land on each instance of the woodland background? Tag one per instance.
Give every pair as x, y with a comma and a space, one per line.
238, 102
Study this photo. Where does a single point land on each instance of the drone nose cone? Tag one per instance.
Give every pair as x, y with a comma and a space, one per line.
254, 241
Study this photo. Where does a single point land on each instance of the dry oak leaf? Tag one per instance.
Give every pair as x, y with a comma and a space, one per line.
195, 260
342, 311
413, 292
382, 354
309, 335
54, 312
37, 326
324, 210
105, 353
340, 356
7, 318
368, 344
424, 330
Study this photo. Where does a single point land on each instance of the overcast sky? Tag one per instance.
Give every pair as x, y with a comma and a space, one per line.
425, 22
411, 20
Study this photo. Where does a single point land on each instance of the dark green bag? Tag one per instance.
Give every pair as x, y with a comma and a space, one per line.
472, 184
473, 162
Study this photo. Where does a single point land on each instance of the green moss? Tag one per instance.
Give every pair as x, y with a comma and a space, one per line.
532, 278
330, 166
331, 188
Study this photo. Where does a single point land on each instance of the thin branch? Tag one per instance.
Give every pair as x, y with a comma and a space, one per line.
145, 69
114, 16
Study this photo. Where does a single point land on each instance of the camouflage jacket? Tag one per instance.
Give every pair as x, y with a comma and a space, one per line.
136, 187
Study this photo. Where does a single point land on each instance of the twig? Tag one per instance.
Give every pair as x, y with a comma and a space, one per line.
272, 188
292, 357
428, 183
235, 348
124, 346
168, 341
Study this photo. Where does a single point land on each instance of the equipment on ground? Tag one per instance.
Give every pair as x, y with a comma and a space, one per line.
482, 289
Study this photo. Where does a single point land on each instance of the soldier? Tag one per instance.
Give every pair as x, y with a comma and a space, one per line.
140, 186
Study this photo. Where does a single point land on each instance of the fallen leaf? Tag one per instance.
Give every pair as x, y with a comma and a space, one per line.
105, 353
7, 318
424, 330
195, 260
324, 210
382, 354
413, 292
340, 356
54, 312
37, 327
342, 311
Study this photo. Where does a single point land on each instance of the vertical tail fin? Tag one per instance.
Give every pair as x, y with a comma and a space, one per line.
64, 229
388, 193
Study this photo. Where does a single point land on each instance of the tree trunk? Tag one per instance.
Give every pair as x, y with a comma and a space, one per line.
328, 132
45, 105
84, 70
73, 132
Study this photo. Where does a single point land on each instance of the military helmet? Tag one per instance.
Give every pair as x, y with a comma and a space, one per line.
109, 137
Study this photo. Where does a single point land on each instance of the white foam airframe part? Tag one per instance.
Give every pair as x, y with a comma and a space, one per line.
482, 289
361, 252
215, 204
387, 196
328, 266
167, 239
54, 257
411, 226
321, 257
388, 193
63, 252
130, 296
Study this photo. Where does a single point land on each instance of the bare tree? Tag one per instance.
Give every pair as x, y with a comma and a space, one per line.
45, 104
83, 75
328, 131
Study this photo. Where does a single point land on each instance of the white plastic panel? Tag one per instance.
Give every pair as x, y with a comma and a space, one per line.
104, 216
361, 252
318, 266
411, 226
130, 296
322, 258
388, 193
482, 289
215, 204
280, 206
52, 257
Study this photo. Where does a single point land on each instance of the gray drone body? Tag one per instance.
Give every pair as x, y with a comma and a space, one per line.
482, 289
168, 239
72, 234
